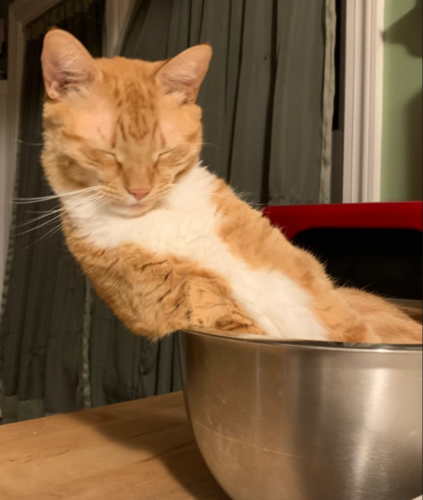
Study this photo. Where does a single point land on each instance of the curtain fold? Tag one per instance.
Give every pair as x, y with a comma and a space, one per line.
297, 129
329, 92
43, 317
66, 10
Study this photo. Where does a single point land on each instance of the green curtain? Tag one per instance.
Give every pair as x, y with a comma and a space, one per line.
41, 331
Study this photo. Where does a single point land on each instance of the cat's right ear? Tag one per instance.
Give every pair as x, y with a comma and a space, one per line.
184, 74
66, 64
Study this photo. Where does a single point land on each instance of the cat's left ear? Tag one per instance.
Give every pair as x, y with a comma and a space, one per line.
185, 73
66, 63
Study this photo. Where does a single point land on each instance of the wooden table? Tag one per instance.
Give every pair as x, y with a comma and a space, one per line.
143, 450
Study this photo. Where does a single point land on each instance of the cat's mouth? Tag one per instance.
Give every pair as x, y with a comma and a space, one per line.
132, 210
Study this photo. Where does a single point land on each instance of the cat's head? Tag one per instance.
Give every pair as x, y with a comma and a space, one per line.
125, 130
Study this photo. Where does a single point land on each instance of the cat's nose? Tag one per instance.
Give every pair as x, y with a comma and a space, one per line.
139, 193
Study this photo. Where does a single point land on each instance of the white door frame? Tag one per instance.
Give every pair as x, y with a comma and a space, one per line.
363, 100
21, 13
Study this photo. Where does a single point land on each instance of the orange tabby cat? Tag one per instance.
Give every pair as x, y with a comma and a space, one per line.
167, 244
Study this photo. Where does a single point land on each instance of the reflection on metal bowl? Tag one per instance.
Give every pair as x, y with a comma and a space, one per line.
306, 421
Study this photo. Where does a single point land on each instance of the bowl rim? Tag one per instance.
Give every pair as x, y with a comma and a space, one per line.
308, 344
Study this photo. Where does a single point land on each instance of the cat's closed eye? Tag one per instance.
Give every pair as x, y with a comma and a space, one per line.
165, 153
112, 156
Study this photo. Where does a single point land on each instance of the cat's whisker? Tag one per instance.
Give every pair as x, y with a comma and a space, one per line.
56, 211
60, 211
23, 201
160, 194
38, 212
41, 217
51, 233
48, 198
26, 143
73, 211
57, 217
206, 145
102, 204
82, 203
12, 138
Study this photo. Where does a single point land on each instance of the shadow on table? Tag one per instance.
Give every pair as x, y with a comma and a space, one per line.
160, 431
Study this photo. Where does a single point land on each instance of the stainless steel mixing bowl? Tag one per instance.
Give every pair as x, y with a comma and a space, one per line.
306, 421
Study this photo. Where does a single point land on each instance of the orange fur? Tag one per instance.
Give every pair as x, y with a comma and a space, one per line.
121, 125
346, 313
155, 295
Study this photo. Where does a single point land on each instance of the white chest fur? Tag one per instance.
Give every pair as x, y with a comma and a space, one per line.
187, 227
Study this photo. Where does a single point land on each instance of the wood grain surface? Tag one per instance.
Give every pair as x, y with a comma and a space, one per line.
143, 450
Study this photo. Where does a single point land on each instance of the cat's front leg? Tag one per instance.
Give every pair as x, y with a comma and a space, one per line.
212, 306
156, 295
178, 298
155, 300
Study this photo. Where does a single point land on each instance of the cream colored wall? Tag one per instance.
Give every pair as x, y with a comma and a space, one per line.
402, 102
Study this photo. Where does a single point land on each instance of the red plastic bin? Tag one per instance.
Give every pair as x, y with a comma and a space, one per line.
295, 219
372, 246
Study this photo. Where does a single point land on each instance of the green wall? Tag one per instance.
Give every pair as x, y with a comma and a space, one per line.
402, 102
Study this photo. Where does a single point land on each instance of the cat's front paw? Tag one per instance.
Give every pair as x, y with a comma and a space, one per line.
213, 307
